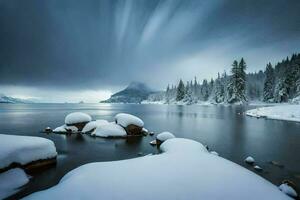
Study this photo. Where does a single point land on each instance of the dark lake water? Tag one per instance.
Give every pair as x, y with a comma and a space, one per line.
224, 129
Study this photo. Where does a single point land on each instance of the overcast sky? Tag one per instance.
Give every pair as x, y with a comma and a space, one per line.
65, 50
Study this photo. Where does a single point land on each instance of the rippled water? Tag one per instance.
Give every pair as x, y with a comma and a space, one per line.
224, 129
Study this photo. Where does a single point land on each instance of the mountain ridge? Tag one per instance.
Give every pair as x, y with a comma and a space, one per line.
135, 92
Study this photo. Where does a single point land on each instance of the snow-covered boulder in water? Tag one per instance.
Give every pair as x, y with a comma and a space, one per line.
285, 188
23, 150
77, 119
160, 138
91, 126
109, 130
132, 124
250, 160
185, 166
65, 129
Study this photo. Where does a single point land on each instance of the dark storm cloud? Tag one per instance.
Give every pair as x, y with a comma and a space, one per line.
97, 44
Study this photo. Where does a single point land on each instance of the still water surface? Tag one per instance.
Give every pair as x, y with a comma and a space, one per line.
224, 129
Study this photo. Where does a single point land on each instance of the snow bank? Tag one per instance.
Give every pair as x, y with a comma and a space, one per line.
24, 149
165, 136
109, 130
185, 170
77, 117
11, 180
93, 125
124, 120
279, 112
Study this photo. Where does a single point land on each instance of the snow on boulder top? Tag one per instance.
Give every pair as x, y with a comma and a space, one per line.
124, 120
60, 129
249, 160
93, 125
77, 117
24, 149
109, 130
165, 136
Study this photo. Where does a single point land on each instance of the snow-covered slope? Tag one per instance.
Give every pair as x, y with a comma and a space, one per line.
279, 112
136, 92
185, 170
7, 99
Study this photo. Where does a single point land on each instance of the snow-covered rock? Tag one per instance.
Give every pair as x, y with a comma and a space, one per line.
24, 149
257, 168
60, 129
48, 130
185, 170
77, 119
160, 138
125, 120
109, 130
11, 181
132, 124
250, 160
153, 142
65, 129
93, 125
285, 188
71, 129
279, 112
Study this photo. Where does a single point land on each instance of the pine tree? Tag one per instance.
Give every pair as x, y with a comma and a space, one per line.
269, 84
180, 91
204, 90
168, 94
237, 84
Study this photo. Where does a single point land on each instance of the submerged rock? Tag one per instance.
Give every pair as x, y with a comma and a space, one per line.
151, 133
48, 130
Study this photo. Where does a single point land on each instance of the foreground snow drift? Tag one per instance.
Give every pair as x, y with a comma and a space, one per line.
24, 149
280, 112
185, 170
11, 180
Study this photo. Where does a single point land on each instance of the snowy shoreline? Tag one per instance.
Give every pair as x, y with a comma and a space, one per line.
184, 170
286, 112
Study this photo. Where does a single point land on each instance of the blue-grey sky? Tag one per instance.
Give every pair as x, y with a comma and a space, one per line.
65, 50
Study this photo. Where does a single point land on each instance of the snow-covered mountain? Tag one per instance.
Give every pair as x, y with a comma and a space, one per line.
135, 92
7, 99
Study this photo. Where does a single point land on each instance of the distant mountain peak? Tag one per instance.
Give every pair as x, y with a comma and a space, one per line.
135, 92
7, 99
135, 85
